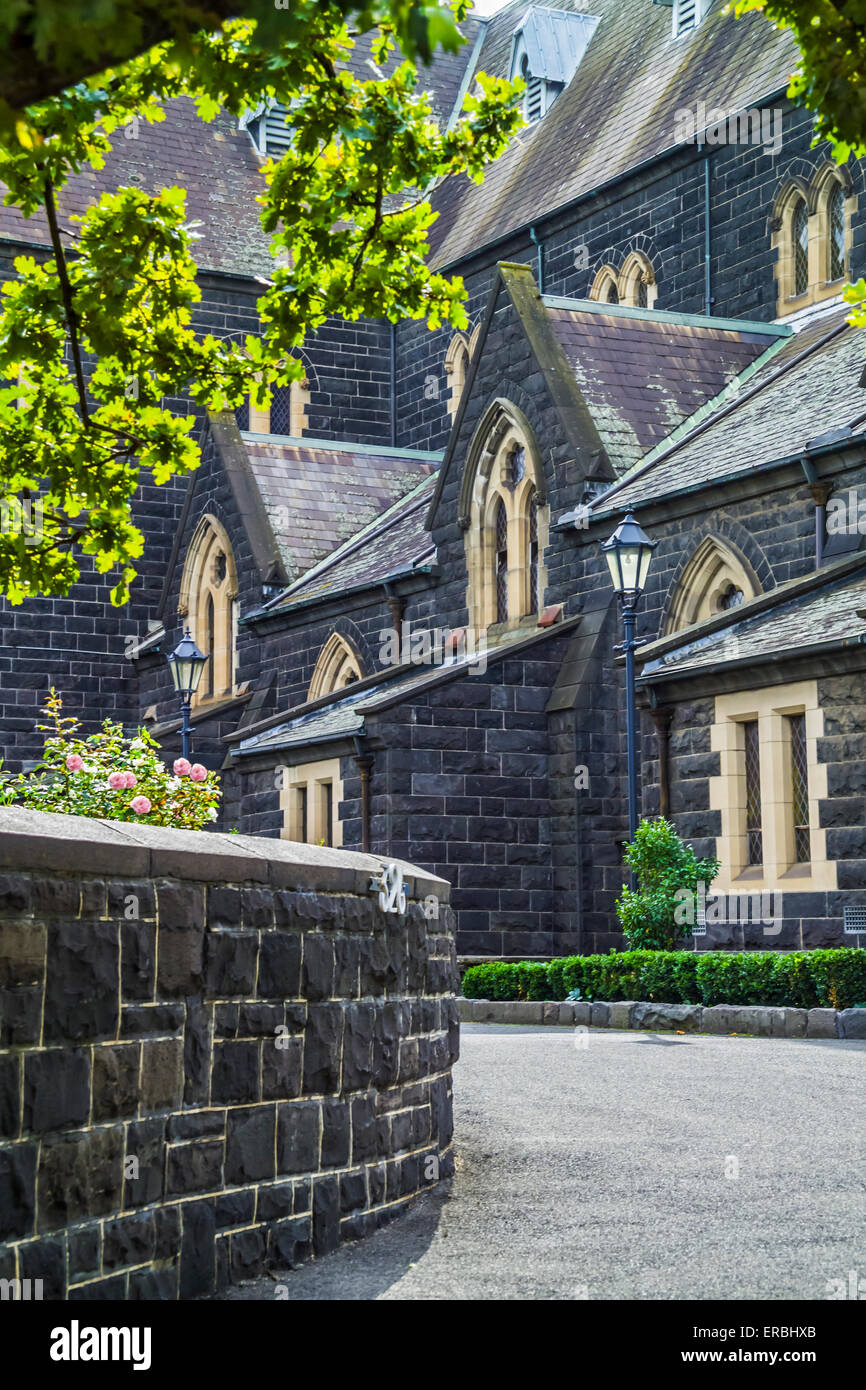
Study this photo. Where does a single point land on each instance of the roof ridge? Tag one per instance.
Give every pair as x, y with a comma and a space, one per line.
597, 306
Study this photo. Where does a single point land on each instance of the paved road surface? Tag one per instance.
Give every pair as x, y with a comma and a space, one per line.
603, 1172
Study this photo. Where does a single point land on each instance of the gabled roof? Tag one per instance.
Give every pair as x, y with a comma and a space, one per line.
393, 545
318, 494
617, 113
799, 618
806, 396
643, 372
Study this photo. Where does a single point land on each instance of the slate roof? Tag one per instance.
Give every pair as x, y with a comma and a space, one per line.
809, 389
219, 167
214, 161
318, 494
828, 614
345, 714
617, 112
643, 373
394, 544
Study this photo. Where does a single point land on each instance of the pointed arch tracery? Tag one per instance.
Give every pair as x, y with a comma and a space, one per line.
208, 605
715, 579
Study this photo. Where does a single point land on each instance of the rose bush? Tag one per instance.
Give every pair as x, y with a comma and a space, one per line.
95, 776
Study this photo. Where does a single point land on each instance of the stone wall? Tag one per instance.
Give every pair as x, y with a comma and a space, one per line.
213, 1060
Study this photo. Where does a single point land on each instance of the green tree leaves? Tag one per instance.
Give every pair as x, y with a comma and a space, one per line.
96, 338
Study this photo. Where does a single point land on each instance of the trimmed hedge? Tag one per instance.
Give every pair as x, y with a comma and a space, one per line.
831, 979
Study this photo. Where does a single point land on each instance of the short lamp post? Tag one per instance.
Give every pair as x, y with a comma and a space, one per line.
186, 663
628, 553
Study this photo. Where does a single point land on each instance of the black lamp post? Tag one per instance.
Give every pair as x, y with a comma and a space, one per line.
186, 663
628, 554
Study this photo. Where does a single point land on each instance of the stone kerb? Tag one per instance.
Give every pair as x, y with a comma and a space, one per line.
217, 1054
763, 1021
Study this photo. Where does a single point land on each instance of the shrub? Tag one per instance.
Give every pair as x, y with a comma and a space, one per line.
655, 914
833, 978
111, 776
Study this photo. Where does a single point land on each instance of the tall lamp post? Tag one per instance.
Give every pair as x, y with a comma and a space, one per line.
186, 663
628, 553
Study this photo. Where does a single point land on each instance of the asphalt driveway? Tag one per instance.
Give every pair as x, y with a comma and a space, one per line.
629, 1165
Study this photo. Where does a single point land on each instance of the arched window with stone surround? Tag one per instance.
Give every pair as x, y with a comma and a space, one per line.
812, 234
338, 666
457, 360
504, 513
637, 282
208, 605
715, 580
604, 287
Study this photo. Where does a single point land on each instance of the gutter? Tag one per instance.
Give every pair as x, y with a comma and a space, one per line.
777, 657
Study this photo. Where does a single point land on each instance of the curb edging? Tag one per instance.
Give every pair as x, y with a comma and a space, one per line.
758, 1020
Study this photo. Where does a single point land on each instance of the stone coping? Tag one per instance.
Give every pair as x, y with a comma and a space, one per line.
48, 841
758, 1020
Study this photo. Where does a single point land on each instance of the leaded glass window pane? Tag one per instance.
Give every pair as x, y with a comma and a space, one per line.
837, 233
800, 789
501, 564
534, 596
753, 793
281, 410
641, 294
612, 294
801, 248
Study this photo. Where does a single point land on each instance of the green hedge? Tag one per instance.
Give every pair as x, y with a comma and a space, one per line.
832, 979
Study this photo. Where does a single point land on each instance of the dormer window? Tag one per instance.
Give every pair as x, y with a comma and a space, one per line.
547, 46
268, 130
687, 15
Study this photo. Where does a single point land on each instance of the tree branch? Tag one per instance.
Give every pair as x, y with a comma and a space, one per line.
66, 293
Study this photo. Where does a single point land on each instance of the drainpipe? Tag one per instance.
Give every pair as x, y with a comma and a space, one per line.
393, 385
820, 494
364, 763
533, 237
397, 605
661, 718
708, 298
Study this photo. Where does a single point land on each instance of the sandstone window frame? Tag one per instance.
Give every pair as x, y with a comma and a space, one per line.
771, 707
636, 275
458, 357
307, 790
491, 478
816, 196
714, 566
299, 398
206, 581
338, 665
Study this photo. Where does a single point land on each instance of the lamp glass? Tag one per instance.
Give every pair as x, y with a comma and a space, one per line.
628, 553
186, 663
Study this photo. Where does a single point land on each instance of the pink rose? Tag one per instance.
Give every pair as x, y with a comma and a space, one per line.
75, 762
182, 767
140, 805
117, 780
130, 779
197, 772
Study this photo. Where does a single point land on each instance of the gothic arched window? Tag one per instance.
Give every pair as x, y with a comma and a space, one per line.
208, 604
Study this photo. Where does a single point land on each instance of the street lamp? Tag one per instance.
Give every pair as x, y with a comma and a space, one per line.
186, 663
628, 553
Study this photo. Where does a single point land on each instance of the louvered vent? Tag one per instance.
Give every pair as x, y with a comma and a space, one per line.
276, 136
534, 98
687, 16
